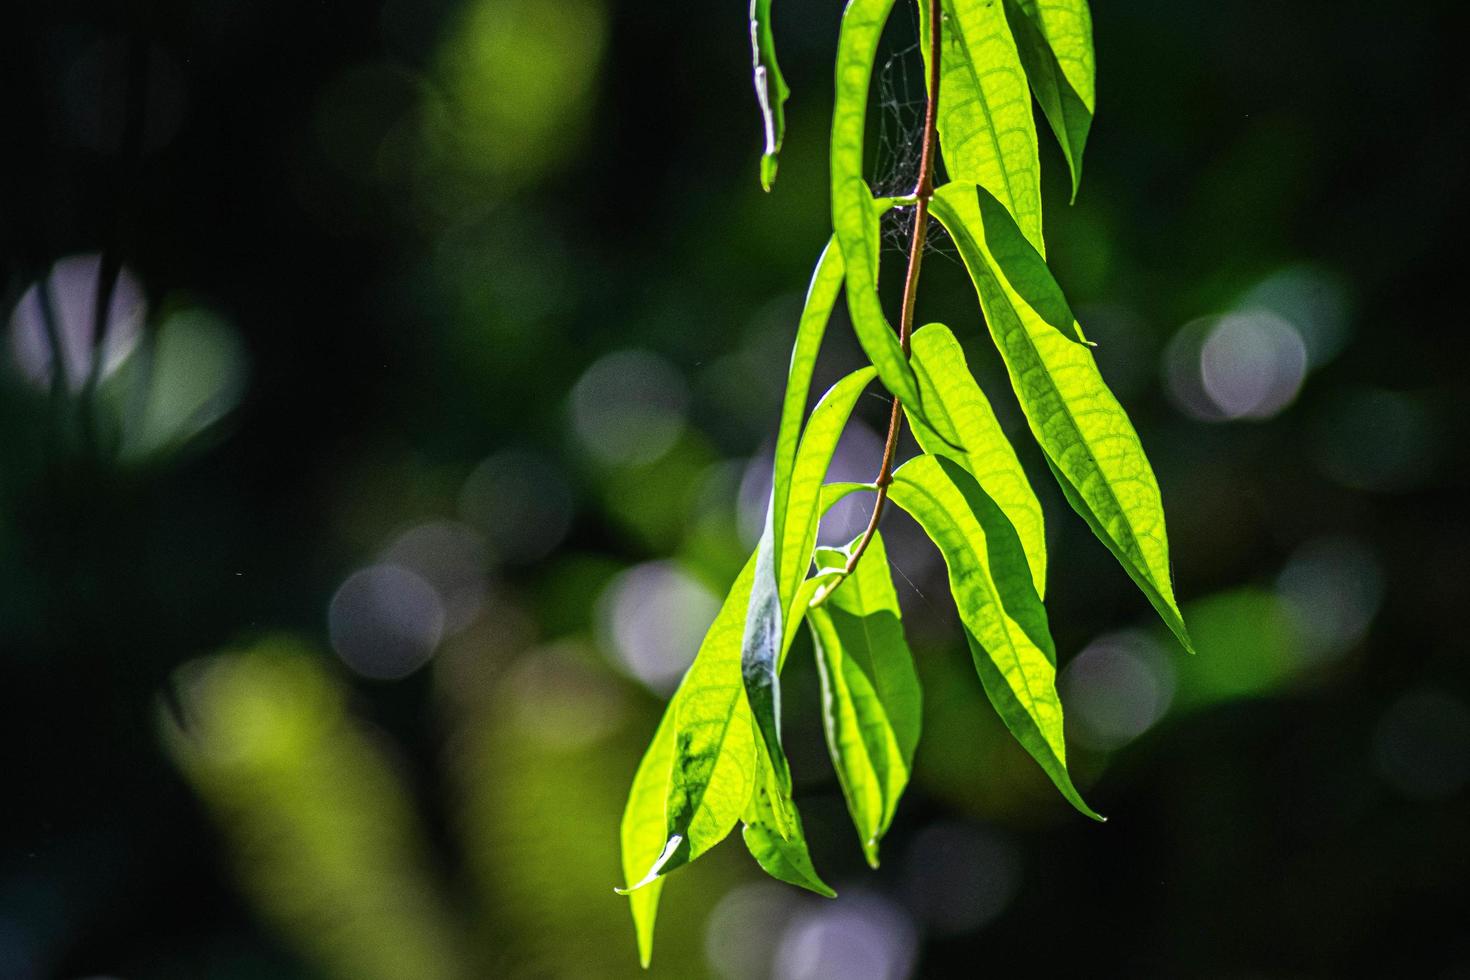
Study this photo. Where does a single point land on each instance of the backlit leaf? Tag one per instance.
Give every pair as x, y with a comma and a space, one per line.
950, 390
768, 597
783, 854
712, 760
1055, 41
1004, 620
871, 700
986, 131
770, 88
1082, 429
645, 830
853, 217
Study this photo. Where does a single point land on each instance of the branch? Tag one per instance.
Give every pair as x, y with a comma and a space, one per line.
923, 193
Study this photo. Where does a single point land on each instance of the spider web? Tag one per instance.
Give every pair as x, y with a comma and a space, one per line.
902, 99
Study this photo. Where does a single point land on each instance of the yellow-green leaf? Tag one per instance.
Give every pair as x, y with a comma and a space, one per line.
950, 391
712, 760
770, 88
986, 131
1004, 620
871, 700
853, 217
1080, 426
1055, 41
774, 837
645, 830
769, 596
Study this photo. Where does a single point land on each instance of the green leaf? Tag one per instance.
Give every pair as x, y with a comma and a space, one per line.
712, 763
1055, 42
986, 132
645, 830
1082, 429
950, 391
769, 597
783, 855
821, 296
770, 88
871, 700
1005, 622
853, 217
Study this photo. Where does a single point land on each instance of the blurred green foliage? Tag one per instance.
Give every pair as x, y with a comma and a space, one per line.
364, 313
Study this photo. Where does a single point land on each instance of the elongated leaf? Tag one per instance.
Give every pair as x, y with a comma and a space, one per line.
645, 830
763, 633
780, 850
816, 312
853, 219
986, 132
1082, 429
1055, 41
712, 765
871, 700
950, 390
1005, 622
770, 88
821, 296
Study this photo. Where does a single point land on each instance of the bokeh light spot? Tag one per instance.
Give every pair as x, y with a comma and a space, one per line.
628, 408
652, 617
1333, 587
1117, 688
521, 502
959, 877
451, 557
862, 936
385, 621
1422, 745
68, 307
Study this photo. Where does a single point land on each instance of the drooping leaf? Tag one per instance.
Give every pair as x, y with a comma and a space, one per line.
818, 443
853, 217
1004, 620
770, 88
950, 390
768, 597
986, 132
1055, 41
816, 312
821, 296
1080, 426
645, 830
782, 852
871, 700
712, 762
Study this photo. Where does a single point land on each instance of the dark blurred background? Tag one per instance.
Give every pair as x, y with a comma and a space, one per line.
344, 572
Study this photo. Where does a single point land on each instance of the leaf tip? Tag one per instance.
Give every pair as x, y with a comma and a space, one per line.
768, 171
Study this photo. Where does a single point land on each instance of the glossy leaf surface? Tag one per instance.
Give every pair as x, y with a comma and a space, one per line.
771, 92
1080, 426
768, 598
871, 701
986, 131
1004, 620
1055, 42
950, 390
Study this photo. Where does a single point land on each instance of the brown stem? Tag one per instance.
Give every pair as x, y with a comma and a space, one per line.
923, 192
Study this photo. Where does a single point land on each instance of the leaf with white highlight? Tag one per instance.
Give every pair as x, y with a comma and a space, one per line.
770, 88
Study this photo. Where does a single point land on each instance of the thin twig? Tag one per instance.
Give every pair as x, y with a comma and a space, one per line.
923, 192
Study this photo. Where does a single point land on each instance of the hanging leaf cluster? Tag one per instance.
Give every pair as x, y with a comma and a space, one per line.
716, 758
